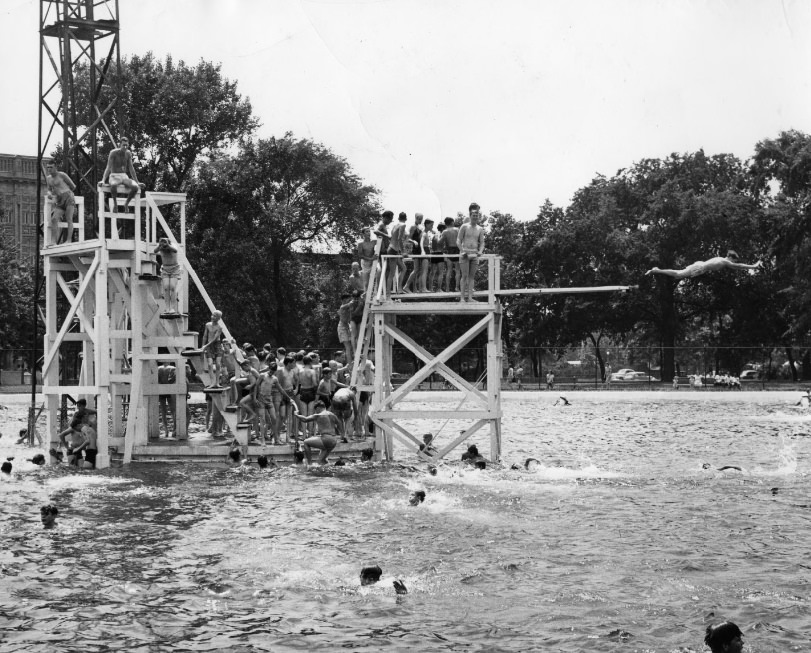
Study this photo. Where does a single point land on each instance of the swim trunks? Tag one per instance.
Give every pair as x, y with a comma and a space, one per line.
451, 251
366, 266
364, 397
65, 199
171, 271
343, 332
325, 399
696, 269
307, 395
328, 441
117, 178
214, 349
90, 456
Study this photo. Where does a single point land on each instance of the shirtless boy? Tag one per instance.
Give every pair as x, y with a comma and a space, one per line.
366, 255
121, 172
451, 249
60, 192
702, 267
170, 273
213, 347
436, 275
356, 278
344, 317
471, 245
326, 441
395, 249
79, 416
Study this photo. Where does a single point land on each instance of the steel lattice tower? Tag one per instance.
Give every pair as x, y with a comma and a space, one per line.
70, 31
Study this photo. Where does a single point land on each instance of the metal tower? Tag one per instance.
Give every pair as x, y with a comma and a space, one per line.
77, 107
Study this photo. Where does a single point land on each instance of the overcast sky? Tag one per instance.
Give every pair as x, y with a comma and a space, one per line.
442, 102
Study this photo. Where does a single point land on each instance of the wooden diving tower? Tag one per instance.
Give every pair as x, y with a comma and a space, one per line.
379, 326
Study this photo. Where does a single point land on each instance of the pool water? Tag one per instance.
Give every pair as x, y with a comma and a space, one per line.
619, 540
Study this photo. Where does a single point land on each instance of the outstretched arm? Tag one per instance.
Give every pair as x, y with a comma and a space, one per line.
745, 266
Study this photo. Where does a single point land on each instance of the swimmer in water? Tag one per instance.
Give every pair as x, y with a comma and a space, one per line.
698, 268
721, 469
417, 497
48, 516
562, 401
805, 400
725, 637
6, 467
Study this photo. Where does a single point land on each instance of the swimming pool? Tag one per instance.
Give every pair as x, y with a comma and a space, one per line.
619, 541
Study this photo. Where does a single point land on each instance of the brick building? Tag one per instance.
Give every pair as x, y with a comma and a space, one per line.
18, 203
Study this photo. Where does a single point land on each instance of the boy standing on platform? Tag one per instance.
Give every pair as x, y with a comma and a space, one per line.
451, 249
366, 255
170, 273
471, 245
60, 192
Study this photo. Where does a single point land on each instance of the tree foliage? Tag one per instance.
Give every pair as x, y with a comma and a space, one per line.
252, 217
173, 113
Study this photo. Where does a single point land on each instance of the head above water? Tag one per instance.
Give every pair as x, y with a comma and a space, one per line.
367, 454
724, 638
417, 497
48, 515
370, 575
6, 467
262, 461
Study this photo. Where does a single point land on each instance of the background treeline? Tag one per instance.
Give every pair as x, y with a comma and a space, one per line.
265, 217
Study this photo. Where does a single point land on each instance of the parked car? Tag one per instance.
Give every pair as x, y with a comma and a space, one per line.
750, 374
630, 375
620, 375
641, 376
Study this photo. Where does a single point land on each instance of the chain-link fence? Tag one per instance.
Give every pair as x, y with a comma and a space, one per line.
578, 367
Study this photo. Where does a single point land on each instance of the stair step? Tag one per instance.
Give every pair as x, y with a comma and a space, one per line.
190, 353
173, 316
146, 276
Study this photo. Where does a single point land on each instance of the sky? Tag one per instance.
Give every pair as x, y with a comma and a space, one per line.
439, 103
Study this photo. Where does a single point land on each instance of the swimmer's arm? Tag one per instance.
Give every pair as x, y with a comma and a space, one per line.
745, 266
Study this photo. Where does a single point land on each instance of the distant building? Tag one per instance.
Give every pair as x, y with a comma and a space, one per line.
18, 203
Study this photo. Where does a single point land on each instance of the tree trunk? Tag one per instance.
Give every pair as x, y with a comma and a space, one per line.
790, 357
669, 328
276, 283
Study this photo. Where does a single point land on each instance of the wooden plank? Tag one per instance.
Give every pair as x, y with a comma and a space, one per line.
563, 291
132, 416
438, 414
450, 351
71, 390
434, 308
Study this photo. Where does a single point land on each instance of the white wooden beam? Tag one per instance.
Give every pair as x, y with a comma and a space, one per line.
450, 351
71, 312
470, 391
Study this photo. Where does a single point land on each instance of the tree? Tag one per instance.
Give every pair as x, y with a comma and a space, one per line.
253, 214
174, 114
16, 281
781, 178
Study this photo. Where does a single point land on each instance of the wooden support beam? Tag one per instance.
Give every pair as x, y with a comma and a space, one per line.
439, 414
71, 312
460, 439
447, 354
86, 325
470, 391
